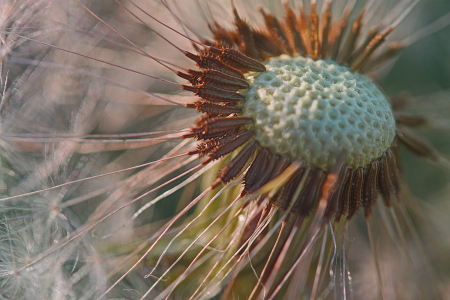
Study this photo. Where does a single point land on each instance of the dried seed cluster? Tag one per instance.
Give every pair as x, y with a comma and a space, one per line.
217, 83
315, 110
294, 91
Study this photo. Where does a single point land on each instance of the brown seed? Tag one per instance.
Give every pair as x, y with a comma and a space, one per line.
314, 31
214, 109
304, 30
333, 201
281, 164
207, 60
326, 25
228, 147
385, 185
215, 77
223, 124
266, 45
345, 195
356, 193
369, 37
208, 136
214, 94
212, 144
376, 42
308, 196
287, 196
389, 53
246, 36
259, 171
394, 173
220, 34
292, 33
370, 188
234, 167
237, 60
276, 32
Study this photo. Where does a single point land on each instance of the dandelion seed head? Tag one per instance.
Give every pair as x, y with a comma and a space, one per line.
314, 110
107, 140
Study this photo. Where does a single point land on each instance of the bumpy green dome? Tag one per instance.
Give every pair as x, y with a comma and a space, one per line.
313, 110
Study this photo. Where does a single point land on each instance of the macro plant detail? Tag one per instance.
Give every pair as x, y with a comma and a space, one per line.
335, 87
294, 139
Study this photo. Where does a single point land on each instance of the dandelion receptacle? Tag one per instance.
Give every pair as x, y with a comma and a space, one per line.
211, 150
